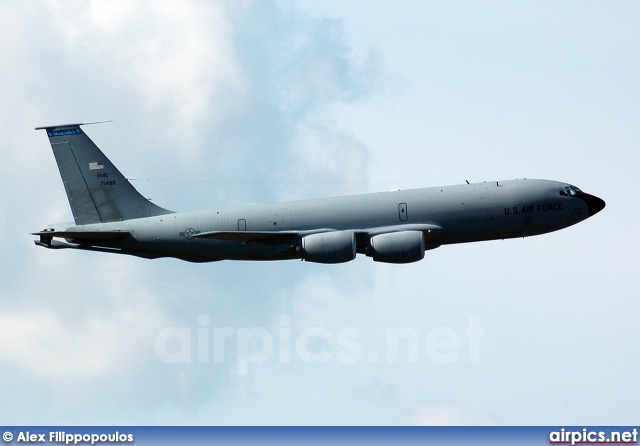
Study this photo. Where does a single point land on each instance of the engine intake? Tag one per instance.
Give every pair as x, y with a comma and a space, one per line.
397, 247
328, 247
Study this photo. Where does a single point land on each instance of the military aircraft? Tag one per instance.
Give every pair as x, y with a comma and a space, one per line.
393, 227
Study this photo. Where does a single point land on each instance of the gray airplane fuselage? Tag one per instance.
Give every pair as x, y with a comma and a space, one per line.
394, 227
465, 213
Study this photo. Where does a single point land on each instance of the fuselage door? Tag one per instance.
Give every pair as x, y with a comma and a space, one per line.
402, 211
242, 224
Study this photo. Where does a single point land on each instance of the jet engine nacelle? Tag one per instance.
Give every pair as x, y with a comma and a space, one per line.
329, 247
397, 247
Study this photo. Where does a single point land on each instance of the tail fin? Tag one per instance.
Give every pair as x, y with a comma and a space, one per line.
97, 191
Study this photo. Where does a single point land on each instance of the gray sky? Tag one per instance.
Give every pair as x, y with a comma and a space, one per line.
229, 103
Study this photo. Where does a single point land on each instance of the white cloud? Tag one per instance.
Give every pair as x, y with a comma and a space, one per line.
88, 327
247, 91
74, 323
178, 57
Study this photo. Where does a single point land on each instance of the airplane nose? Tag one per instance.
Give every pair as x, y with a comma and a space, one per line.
594, 203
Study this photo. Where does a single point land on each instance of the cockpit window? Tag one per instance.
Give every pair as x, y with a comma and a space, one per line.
570, 191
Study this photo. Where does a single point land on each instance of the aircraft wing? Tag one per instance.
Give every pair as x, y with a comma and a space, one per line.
292, 237
428, 229
259, 237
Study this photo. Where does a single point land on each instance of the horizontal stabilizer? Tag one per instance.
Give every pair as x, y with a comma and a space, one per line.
83, 235
51, 127
55, 244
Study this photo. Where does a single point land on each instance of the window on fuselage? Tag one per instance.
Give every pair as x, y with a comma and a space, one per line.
570, 191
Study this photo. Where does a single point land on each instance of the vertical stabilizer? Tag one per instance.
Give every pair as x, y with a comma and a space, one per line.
97, 191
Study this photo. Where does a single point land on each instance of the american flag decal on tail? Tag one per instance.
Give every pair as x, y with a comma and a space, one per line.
95, 166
